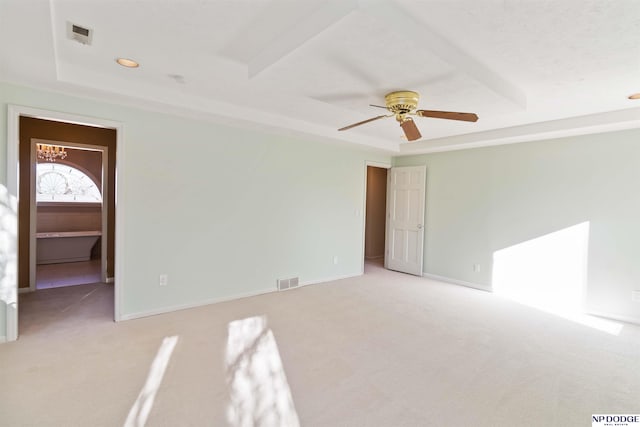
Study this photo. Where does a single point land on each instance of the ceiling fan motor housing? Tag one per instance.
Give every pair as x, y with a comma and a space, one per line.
402, 102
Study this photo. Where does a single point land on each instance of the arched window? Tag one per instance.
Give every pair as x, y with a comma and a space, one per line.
63, 183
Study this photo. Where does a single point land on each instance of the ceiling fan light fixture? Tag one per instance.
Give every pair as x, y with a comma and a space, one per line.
126, 62
635, 96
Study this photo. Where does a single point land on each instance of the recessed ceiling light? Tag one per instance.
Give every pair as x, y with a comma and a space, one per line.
635, 96
129, 63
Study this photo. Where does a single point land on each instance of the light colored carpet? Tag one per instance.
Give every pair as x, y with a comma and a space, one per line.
384, 349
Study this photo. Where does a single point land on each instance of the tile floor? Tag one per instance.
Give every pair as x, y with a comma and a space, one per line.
67, 274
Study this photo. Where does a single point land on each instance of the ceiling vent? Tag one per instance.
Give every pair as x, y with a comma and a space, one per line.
80, 34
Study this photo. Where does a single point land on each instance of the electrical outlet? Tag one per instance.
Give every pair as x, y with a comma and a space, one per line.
635, 296
163, 279
335, 259
476, 268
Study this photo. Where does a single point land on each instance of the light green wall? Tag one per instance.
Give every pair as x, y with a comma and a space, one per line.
229, 210
222, 210
486, 199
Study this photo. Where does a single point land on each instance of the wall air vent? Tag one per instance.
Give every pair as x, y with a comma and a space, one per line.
288, 283
78, 33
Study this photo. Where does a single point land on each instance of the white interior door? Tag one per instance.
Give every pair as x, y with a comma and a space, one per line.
405, 216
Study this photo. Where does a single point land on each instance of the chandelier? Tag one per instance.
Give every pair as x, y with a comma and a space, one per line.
50, 153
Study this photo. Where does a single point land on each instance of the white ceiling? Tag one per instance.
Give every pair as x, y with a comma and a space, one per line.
529, 69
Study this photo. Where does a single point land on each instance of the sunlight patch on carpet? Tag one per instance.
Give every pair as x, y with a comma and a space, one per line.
258, 387
142, 407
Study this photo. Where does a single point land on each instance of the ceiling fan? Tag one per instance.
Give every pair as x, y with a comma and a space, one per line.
402, 104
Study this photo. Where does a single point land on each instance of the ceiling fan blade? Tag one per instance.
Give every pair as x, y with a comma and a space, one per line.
379, 106
362, 122
449, 115
410, 130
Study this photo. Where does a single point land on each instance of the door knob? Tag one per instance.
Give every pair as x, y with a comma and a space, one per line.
419, 226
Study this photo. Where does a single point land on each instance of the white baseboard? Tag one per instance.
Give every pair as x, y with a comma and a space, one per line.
3, 339
24, 290
626, 319
229, 298
457, 282
370, 258
193, 305
329, 279
109, 280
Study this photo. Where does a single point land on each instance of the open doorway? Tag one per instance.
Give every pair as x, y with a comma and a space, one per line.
15, 202
66, 223
69, 221
375, 215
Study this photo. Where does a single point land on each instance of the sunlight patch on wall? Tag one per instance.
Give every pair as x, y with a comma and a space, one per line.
550, 273
142, 407
258, 388
8, 260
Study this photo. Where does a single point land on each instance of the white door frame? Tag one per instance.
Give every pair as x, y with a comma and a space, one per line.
367, 163
13, 179
33, 214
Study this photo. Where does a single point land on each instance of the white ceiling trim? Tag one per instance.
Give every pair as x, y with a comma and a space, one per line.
574, 126
188, 105
54, 40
